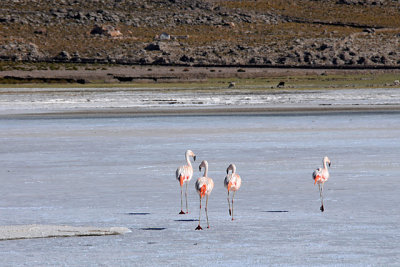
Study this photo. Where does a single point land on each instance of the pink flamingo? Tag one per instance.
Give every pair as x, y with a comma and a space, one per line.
184, 175
232, 183
320, 176
204, 185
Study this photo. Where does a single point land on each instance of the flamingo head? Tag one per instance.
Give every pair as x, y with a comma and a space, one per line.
231, 167
203, 164
191, 154
327, 160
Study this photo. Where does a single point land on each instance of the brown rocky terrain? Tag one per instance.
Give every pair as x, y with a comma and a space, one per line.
277, 33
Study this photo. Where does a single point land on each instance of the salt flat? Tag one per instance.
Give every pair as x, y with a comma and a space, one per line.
121, 172
108, 101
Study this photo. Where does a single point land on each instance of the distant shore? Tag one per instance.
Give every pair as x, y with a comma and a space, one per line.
124, 74
126, 91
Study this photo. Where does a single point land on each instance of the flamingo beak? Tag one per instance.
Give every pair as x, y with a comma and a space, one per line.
181, 180
199, 168
194, 158
229, 186
329, 164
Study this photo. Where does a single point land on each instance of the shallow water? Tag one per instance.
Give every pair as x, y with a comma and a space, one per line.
121, 172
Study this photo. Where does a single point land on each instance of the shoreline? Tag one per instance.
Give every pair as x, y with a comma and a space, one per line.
203, 111
153, 74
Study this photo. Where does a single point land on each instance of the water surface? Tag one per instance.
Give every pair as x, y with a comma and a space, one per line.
121, 172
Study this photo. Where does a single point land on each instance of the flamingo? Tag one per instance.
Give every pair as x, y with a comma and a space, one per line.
204, 185
184, 175
320, 176
232, 183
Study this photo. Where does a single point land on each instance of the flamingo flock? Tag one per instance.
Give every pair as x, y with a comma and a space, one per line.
204, 185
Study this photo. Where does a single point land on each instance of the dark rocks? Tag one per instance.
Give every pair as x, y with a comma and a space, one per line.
105, 43
378, 59
361, 60
338, 62
18, 51
97, 30
153, 47
186, 59
106, 30
41, 31
281, 60
323, 47
160, 61
281, 85
253, 60
307, 57
63, 56
362, 2
76, 57
4, 19
345, 56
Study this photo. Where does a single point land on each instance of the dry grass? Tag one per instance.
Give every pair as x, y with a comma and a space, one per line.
326, 11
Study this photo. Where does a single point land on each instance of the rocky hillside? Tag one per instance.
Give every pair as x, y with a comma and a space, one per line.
310, 33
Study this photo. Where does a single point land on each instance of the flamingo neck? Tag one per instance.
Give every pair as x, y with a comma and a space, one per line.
205, 170
188, 160
233, 169
325, 167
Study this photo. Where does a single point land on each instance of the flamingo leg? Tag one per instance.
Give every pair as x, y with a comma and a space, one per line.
187, 211
208, 225
199, 227
229, 205
321, 189
232, 202
181, 202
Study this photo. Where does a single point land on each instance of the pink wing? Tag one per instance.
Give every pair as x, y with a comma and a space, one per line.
185, 171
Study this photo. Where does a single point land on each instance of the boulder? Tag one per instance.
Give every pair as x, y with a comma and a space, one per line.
63, 55
40, 31
185, 58
164, 36
153, 47
106, 30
